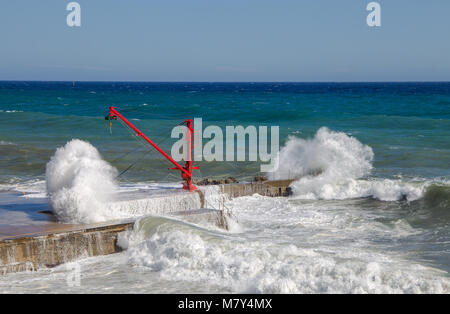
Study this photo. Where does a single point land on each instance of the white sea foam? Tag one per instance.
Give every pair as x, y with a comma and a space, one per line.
154, 204
214, 198
82, 189
332, 152
79, 183
289, 247
30, 186
333, 165
179, 254
6, 143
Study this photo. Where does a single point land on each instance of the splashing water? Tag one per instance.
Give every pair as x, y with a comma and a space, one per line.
258, 264
82, 189
334, 165
79, 183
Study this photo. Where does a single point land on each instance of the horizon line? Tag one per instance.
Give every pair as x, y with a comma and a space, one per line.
211, 82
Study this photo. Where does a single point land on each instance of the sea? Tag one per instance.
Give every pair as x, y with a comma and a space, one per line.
370, 204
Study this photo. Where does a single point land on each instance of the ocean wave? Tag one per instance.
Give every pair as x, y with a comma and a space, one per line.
28, 186
7, 143
180, 252
381, 189
82, 188
438, 196
334, 165
79, 183
434, 207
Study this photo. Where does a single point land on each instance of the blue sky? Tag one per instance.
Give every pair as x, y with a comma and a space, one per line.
225, 40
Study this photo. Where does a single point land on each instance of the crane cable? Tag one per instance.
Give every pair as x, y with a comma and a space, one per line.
142, 143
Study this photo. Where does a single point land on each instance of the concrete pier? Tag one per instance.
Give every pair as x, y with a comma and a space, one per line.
47, 243
58, 244
268, 188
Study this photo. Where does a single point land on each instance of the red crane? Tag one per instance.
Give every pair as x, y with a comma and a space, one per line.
186, 171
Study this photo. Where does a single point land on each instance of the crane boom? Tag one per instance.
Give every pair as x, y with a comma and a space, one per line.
186, 171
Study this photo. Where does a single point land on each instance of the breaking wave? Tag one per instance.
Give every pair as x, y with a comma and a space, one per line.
79, 183
434, 208
438, 196
334, 165
81, 187
179, 252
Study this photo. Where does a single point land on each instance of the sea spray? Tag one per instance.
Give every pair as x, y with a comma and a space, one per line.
182, 253
332, 153
79, 183
82, 189
334, 165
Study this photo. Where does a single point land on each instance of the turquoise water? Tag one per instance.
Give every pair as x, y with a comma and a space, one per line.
406, 124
